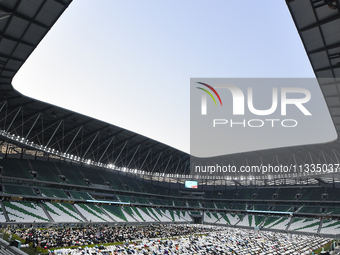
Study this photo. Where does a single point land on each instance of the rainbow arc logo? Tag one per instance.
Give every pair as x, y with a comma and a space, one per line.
209, 93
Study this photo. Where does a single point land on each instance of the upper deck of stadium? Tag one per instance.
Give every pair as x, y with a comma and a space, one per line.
33, 127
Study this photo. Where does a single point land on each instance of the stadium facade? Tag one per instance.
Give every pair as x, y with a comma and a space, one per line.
60, 167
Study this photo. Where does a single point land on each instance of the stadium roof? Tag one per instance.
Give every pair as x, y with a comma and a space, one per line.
54, 130
60, 132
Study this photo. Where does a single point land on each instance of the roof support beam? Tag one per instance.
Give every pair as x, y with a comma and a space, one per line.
179, 160
16, 14
327, 68
24, 122
141, 155
44, 129
166, 167
62, 3
7, 130
95, 137
8, 114
48, 143
114, 163
8, 37
8, 70
73, 139
330, 47
324, 158
88, 136
100, 145
3, 105
337, 160
12, 58
36, 119
106, 149
141, 167
133, 156
320, 23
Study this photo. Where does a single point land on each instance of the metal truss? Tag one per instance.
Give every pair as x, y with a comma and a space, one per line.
85, 140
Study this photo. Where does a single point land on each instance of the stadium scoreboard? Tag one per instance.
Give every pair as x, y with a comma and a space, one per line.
191, 184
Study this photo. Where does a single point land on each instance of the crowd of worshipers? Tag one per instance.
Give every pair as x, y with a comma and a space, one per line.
67, 237
217, 240
169, 239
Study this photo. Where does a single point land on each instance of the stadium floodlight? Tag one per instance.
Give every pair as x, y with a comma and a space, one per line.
72, 157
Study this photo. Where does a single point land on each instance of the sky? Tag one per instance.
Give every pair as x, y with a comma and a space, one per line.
129, 63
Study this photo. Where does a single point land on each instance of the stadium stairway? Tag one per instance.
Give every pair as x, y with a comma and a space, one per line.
129, 214
108, 215
233, 218
320, 226
155, 214
30, 166
161, 216
6, 249
137, 214
212, 218
222, 220
290, 223
262, 223
82, 216
279, 223
330, 227
305, 225
186, 216
92, 213
245, 221
5, 252
239, 220
168, 213
46, 212
146, 215
62, 212
4, 212
25, 212
216, 218
227, 218
114, 212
